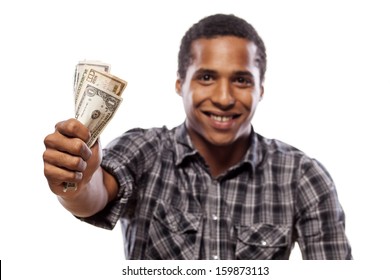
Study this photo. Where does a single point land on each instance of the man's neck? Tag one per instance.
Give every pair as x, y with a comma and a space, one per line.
220, 158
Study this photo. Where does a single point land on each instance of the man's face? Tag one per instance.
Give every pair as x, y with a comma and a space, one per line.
221, 90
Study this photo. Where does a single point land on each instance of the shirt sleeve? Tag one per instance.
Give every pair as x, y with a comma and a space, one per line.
108, 217
320, 221
126, 158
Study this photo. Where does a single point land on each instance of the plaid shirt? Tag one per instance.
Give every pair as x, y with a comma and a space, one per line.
170, 207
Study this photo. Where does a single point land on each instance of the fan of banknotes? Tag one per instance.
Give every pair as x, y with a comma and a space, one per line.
97, 96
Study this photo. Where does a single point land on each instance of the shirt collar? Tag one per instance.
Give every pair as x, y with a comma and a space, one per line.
254, 155
185, 148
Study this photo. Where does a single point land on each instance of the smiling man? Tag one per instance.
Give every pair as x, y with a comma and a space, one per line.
220, 93
211, 188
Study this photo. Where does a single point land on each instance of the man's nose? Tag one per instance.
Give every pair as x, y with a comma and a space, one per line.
223, 96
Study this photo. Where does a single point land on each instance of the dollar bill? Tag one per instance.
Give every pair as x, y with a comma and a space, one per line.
81, 71
100, 79
96, 108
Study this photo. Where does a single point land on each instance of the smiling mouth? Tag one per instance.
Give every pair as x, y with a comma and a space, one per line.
219, 118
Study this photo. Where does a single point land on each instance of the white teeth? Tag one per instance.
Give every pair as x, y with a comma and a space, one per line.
221, 118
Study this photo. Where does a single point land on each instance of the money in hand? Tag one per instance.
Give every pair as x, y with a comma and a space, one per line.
97, 96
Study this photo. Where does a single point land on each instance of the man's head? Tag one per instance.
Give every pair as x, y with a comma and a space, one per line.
219, 25
221, 67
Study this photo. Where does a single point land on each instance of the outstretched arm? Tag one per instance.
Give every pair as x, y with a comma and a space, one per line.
67, 158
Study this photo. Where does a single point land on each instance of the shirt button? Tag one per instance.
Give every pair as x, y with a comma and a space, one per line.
215, 217
215, 257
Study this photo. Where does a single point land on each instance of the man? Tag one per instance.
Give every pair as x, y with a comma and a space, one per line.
210, 188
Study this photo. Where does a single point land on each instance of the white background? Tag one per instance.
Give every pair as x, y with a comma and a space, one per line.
326, 92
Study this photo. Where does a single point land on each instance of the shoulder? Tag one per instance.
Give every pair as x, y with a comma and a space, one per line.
137, 149
282, 155
141, 137
275, 150
274, 146
139, 143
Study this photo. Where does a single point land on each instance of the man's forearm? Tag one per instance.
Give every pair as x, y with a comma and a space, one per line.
89, 199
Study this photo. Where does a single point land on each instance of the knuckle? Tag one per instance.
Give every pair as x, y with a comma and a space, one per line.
78, 164
71, 125
46, 159
79, 146
46, 170
47, 141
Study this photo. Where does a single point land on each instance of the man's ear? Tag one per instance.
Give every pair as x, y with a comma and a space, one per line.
261, 93
178, 86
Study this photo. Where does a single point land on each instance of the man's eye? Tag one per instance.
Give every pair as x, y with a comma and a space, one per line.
243, 81
205, 77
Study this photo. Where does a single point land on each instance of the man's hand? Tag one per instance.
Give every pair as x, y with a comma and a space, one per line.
67, 157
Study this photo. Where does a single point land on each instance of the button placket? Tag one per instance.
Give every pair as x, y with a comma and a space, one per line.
213, 210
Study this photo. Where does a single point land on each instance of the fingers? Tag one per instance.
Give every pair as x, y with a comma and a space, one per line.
73, 128
64, 160
70, 137
60, 167
56, 176
67, 154
71, 146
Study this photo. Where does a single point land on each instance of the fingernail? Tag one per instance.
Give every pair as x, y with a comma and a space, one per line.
82, 165
86, 153
78, 175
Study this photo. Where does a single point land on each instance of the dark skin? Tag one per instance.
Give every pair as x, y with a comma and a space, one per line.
220, 94
67, 158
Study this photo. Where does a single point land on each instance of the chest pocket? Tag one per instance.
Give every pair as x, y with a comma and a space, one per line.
173, 234
263, 241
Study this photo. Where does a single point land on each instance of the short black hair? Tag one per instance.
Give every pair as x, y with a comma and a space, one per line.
215, 26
